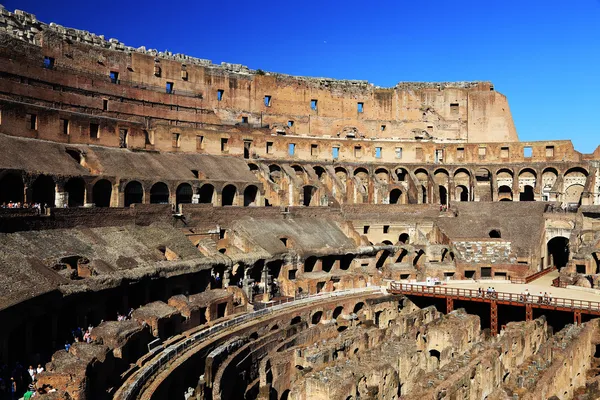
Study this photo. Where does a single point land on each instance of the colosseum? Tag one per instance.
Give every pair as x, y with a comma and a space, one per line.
175, 229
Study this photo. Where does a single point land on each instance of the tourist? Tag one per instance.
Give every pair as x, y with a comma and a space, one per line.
541, 298
31, 372
40, 369
87, 337
480, 292
67, 346
13, 388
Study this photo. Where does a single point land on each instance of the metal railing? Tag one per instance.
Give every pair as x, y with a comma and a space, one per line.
163, 356
534, 299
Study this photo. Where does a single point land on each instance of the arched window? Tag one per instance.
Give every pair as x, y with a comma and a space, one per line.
250, 195
228, 196
11, 188
44, 191
206, 193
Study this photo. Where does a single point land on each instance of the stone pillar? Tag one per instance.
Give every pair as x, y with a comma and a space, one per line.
516, 191
226, 277
61, 197
265, 273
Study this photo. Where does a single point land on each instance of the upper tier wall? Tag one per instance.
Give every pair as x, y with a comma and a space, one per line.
465, 111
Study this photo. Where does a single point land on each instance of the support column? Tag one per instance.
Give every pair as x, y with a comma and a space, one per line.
449, 305
528, 312
577, 317
494, 317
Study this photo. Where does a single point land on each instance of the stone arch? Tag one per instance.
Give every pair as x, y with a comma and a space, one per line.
275, 174
75, 187
383, 175
315, 318
309, 196
505, 193
404, 238
133, 193
396, 196
462, 193
229, 195
101, 193
250, 196
382, 259
577, 171
527, 194
422, 175
495, 234
527, 181
253, 167
549, 177
337, 312
443, 193
184, 194
11, 188
320, 172
206, 194
159, 193
361, 171
401, 174
298, 169
573, 193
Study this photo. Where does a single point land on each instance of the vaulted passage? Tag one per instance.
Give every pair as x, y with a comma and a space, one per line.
250, 195
558, 251
229, 195
44, 191
206, 194
134, 193
75, 187
159, 193
11, 188
101, 193
184, 194
395, 196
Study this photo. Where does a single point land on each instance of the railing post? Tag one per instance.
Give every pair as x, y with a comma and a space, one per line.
449, 305
577, 317
494, 317
528, 312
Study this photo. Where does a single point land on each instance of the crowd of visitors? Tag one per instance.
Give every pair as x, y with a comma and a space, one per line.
489, 293
19, 205
18, 382
542, 298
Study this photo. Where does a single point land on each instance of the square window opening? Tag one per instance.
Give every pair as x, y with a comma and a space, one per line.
48, 62
482, 151
361, 107
366, 229
291, 149
383, 128
313, 105
386, 229
357, 151
398, 152
527, 151
32, 122
104, 104
504, 152
199, 142
290, 124
224, 145
220, 93
453, 108
460, 152
114, 77
268, 101
377, 152
314, 149
169, 88
269, 147
244, 120
64, 126
94, 131
335, 152
176, 140
549, 151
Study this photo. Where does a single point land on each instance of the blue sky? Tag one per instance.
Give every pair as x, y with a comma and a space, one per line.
543, 55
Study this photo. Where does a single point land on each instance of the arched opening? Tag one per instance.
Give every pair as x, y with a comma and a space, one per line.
462, 193
400, 174
43, 191
423, 194
382, 259
11, 189
134, 193
75, 187
250, 194
443, 195
403, 238
159, 193
403, 253
435, 354
228, 195
316, 317
183, 194
418, 258
101, 193
275, 173
285, 395
296, 320
526, 194
358, 307
505, 193
206, 193
558, 251
382, 175
309, 264
308, 195
495, 234
573, 194
320, 172
337, 312
395, 196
